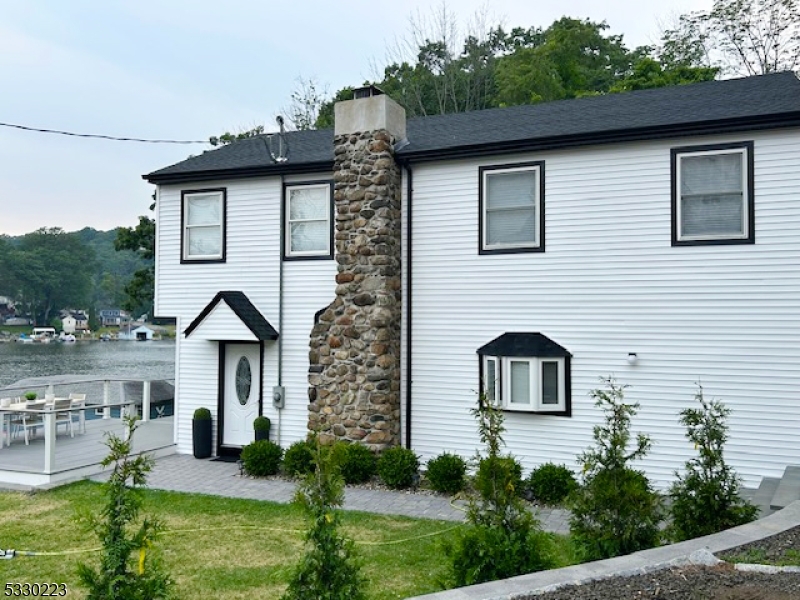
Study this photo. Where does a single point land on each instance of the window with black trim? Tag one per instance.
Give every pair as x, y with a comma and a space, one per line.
712, 194
511, 200
526, 372
203, 230
308, 211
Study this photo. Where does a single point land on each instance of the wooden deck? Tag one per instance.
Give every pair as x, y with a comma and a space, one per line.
22, 467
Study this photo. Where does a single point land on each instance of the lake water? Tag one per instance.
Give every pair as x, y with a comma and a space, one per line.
113, 360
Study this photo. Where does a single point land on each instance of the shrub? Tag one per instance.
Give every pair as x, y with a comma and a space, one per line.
446, 473
615, 511
329, 570
30, 395
551, 483
503, 539
202, 414
356, 462
261, 458
299, 459
261, 423
398, 467
705, 498
129, 568
498, 470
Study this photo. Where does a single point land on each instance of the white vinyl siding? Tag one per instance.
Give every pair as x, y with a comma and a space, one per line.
308, 220
712, 189
611, 283
253, 259
203, 235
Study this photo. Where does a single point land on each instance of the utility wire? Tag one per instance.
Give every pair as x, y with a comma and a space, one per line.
102, 137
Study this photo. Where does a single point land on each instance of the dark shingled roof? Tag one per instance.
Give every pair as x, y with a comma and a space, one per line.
244, 309
764, 101
523, 344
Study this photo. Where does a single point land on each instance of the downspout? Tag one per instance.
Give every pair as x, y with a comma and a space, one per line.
409, 289
279, 408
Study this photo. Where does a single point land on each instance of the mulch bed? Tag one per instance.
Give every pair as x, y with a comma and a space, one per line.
722, 582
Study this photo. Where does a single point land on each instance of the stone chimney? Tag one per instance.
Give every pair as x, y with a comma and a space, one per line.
354, 373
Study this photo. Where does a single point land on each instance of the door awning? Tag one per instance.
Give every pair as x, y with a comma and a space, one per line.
230, 316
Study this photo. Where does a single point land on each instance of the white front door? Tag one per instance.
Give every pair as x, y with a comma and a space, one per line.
240, 394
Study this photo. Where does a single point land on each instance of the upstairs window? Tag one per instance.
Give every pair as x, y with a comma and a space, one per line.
308, 221
712, 195
204, 226
512, 208
526, 372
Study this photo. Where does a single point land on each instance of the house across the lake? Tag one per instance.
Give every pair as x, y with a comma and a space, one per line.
367, 282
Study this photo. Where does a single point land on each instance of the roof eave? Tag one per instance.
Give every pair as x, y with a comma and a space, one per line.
784, 120
239, 173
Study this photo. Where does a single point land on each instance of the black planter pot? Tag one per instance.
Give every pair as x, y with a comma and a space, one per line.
201, 438
262, 434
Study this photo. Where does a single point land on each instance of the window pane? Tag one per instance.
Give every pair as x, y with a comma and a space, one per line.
549, 382
711, 174
510, 208
520, 382
204, 210
308, 203
204, 241
712, 215
309, 236
491, 379
515, 226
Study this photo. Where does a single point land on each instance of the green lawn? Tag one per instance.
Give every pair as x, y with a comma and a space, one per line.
218, 547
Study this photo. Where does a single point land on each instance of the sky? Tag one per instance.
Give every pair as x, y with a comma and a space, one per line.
192, 69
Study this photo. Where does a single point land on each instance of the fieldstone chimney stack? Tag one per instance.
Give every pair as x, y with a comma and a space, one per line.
354, 373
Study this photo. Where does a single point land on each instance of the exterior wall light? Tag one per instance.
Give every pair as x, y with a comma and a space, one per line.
632, 358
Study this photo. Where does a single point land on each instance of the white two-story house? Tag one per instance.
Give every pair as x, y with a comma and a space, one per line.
367, 282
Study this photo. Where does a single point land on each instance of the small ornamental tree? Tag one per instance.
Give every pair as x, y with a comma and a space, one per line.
328, 571
705, 498
504, 539
128, 568
615, 511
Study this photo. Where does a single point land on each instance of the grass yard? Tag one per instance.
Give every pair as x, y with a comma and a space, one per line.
217, 547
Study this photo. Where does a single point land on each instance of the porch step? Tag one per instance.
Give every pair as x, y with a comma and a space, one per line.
762, 497
788, 489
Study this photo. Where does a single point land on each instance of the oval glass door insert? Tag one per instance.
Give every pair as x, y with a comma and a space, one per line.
244, 379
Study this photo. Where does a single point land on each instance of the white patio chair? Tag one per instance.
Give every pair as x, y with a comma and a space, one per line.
64, 415
78, 412
32, 420
5, 422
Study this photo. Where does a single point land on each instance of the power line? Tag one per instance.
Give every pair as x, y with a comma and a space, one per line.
102, 137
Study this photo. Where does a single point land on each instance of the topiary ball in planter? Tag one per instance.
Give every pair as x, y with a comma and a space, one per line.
201, 433
261, 426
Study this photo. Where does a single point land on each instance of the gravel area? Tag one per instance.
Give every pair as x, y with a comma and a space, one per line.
722, 582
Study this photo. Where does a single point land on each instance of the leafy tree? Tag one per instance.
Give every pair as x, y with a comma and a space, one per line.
141, 240
228, 137
741, 37
51, 270
649, 73
571, 58
306, 103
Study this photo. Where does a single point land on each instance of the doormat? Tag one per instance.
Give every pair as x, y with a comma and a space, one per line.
228, 459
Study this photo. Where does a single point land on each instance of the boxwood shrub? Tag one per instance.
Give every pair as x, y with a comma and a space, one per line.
262, 458
447, 473
398, 467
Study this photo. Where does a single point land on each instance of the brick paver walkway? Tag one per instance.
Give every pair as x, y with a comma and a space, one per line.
182, 473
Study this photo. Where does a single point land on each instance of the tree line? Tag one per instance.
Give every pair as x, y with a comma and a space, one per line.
50, 270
